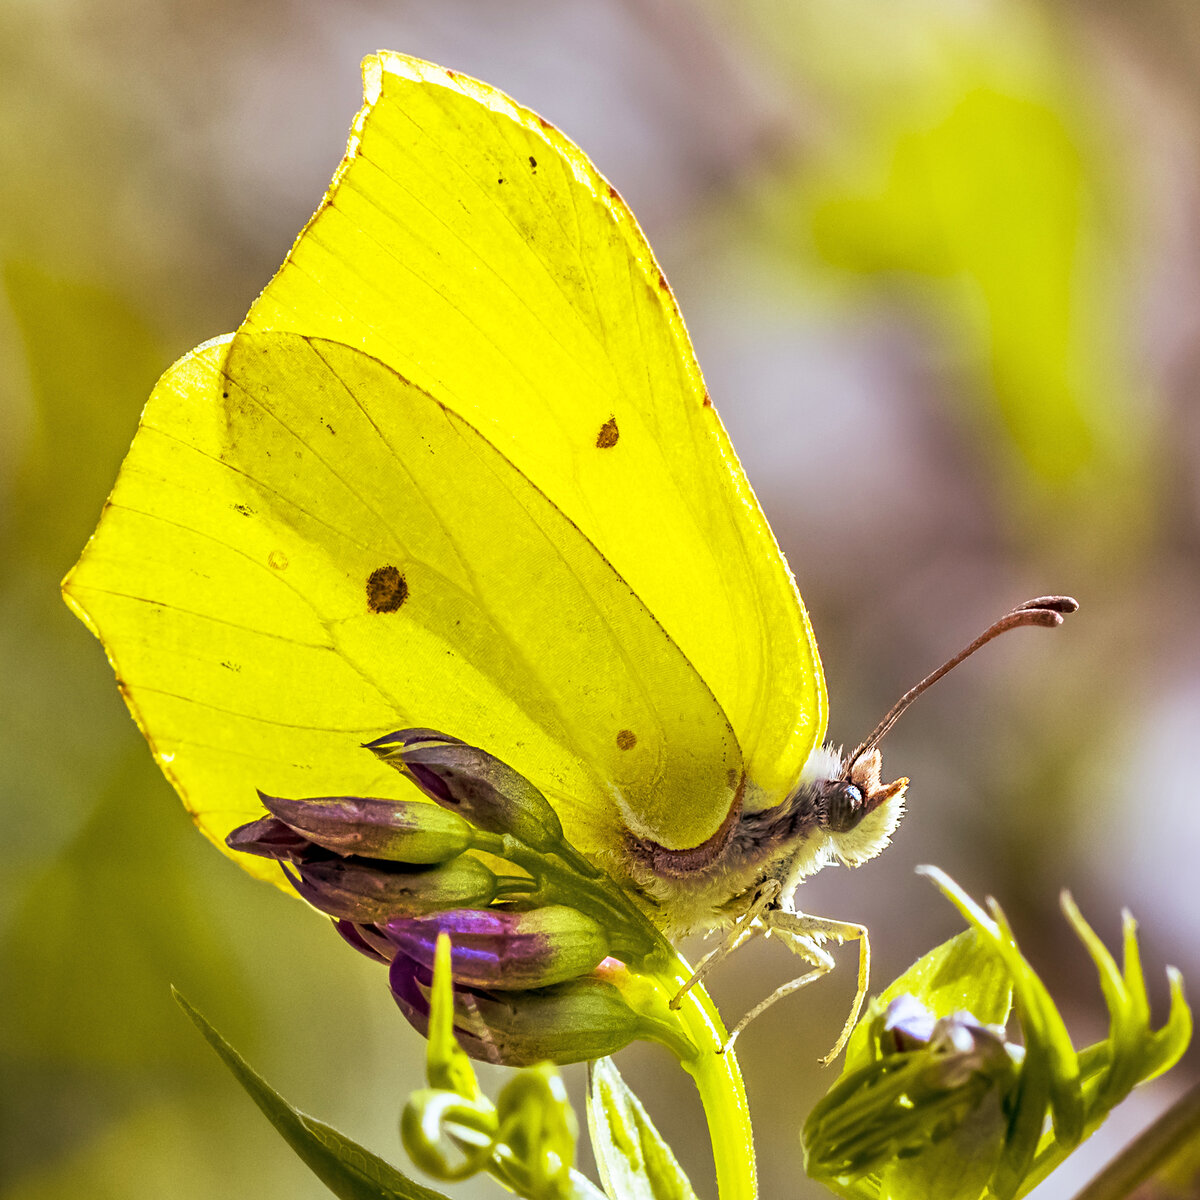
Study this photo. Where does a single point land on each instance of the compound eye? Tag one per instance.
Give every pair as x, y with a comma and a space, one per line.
845, 808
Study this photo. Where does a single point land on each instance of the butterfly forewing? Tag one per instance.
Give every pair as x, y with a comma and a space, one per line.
470, 246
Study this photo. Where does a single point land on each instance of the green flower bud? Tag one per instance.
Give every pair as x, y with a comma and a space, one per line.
473, 783
571, 1022
937, 1091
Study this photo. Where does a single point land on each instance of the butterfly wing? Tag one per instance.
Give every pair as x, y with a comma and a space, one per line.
304, 550
474, 249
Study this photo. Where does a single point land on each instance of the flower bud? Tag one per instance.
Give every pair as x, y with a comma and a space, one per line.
938, 1089
473, 783
582, 1019
506, 950
366, 939
373, 892
269, 837
960, 1046
409, 831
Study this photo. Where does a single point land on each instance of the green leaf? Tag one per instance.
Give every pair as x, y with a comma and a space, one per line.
633, 1160
1169, 1042
961, 973
1039, 1017
349, 1170
958, 1166
1128, 1008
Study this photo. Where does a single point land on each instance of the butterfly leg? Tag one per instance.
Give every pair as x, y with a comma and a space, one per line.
805, 934
741, 932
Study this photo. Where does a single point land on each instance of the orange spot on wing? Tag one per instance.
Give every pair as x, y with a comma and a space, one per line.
608, 435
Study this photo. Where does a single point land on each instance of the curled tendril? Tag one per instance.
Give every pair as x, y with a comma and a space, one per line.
526, 1139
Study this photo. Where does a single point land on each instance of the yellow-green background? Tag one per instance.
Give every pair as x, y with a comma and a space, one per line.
941, 262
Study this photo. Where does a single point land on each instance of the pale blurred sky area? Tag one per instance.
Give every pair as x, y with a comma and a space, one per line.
941, 264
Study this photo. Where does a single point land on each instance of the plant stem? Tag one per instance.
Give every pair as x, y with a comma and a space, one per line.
718, 1079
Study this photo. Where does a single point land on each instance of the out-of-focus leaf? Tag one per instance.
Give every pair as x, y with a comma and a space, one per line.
349, 1170
1167, 1152
90, 360
634, 1161
103, 927
973, 176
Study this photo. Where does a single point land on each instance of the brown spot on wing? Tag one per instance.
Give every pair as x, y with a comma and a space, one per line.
626, 739
608, 435
386, 590
277, 560
533, 164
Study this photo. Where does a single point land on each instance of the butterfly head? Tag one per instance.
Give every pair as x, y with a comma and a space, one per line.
857, 810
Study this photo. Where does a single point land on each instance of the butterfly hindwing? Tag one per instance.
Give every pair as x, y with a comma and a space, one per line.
325, 552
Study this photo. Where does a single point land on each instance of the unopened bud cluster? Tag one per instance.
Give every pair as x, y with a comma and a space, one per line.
935, 1082
538, 936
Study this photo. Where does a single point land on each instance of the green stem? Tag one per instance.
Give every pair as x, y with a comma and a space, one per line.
716, 1074
718, 1079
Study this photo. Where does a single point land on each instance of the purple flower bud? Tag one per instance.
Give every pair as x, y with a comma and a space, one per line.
907, 1024
471, 782
369, 892
963, 1045
408, 831
269, 837
506, 950
582, 1019
366, 939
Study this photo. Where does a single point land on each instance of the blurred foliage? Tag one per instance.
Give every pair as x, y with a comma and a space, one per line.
984, 184
990, 205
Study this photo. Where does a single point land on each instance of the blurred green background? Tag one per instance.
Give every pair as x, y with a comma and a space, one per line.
941, 262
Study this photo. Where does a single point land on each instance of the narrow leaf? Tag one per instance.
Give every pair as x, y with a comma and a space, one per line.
633, 1160
349, 1170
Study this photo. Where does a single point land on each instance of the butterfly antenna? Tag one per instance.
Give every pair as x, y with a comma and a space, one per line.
1045, 610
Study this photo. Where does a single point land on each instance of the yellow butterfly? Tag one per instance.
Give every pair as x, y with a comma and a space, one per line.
459, 469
